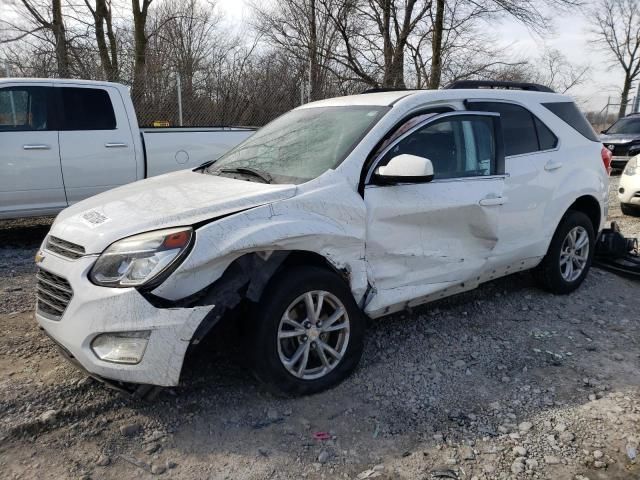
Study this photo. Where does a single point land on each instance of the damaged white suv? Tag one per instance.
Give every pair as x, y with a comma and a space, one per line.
339, 210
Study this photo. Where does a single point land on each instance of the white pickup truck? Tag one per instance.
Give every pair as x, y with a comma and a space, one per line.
65, 140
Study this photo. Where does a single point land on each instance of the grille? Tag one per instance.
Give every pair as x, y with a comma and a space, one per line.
620, 150
64, 248
53, 293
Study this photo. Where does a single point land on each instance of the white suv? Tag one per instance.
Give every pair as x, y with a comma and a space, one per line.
339, 210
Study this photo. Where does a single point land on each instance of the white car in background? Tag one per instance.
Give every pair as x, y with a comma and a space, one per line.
629, 189
341, 209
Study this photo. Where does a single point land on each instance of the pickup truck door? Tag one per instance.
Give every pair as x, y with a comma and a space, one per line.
96, 142
30, 174
424, 239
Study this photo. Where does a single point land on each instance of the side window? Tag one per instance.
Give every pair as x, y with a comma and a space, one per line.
87, 109
522, 131
457, 146
24, 109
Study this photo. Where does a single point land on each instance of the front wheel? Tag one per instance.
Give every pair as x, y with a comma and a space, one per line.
570, 253
308, 332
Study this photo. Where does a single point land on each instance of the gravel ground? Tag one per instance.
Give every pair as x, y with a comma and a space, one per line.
502, 382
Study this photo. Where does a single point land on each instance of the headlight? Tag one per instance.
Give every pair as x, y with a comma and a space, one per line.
632, 167
137, 260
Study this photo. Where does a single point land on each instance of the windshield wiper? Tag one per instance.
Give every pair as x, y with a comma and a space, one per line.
264, 176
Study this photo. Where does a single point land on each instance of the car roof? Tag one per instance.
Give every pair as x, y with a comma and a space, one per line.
391, 97
70, 81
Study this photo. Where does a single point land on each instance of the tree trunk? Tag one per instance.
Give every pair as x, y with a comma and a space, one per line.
315, 86
140, 41
624, 98
108, 53
387, 45
435, 76
59, 33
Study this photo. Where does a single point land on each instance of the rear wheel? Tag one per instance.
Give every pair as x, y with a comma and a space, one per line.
630, 210
570, 253
309, 332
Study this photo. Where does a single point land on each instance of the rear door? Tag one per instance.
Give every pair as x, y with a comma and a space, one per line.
96, 143
423, 238
30, 174
534, 166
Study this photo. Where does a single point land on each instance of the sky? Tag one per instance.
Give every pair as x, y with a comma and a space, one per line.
569, 34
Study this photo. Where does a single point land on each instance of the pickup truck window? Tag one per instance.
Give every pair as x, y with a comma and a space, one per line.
302, 144
24, 109
87, 109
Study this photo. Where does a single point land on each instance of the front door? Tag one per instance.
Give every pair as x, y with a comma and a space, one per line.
30, 174
425, 238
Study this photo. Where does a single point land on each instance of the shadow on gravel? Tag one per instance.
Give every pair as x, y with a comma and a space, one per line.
24, 233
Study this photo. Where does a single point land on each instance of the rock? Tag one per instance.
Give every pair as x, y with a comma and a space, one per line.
560, 427
567, 437
599, 464
103, 461
466, 453
551, 460
520, 451
324, 457
263, 451
517, 466
49, 416
524, 427
618, 357
170, 464
531, 463
598, 454
130, 429
632, 452
272, 414
460, 363
152, 448
158, 469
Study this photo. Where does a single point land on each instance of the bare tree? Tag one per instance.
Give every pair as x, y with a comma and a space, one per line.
102, 13
617, 29
140, 40
42, 17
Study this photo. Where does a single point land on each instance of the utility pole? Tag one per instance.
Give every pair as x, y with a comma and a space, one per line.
179, 88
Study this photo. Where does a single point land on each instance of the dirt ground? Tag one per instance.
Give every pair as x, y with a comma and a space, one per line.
503, 382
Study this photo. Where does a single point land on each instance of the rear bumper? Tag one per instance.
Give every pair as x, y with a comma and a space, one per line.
94, 310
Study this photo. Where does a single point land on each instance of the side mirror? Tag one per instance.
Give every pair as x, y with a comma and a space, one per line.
405, 168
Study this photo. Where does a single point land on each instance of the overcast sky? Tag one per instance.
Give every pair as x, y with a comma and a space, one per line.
570, 35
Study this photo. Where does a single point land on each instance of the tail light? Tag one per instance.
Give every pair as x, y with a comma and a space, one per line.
606, 158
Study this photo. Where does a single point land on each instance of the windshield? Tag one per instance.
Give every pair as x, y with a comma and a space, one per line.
625, 126
300, 145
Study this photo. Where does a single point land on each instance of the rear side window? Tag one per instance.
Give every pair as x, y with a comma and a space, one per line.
570, 114
25, 109
87, 109
523, 132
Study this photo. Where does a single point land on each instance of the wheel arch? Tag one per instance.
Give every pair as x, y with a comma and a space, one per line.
588, 205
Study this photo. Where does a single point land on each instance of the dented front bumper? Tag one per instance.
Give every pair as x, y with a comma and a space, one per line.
94, 310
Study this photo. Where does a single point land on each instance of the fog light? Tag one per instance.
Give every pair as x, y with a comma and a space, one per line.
121, 347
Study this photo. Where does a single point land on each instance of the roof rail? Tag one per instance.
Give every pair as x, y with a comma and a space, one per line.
473, 84
384, 89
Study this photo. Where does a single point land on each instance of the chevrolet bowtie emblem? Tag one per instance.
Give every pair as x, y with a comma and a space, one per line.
39, 256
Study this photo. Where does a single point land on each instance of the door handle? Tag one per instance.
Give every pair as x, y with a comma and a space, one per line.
552, 165
115, 145
39, 146
491, 201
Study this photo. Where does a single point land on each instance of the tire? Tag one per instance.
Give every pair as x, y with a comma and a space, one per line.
555, 277
630, 210
288, 292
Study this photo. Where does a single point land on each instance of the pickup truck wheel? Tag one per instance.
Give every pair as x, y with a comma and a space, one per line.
569, 257
308, 332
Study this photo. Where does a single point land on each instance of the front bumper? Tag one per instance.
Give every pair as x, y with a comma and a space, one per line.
94, 310
629, 189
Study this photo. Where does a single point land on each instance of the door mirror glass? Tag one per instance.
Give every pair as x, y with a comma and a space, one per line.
405, 168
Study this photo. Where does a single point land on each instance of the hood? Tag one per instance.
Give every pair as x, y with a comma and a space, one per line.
171, 200
619, 138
